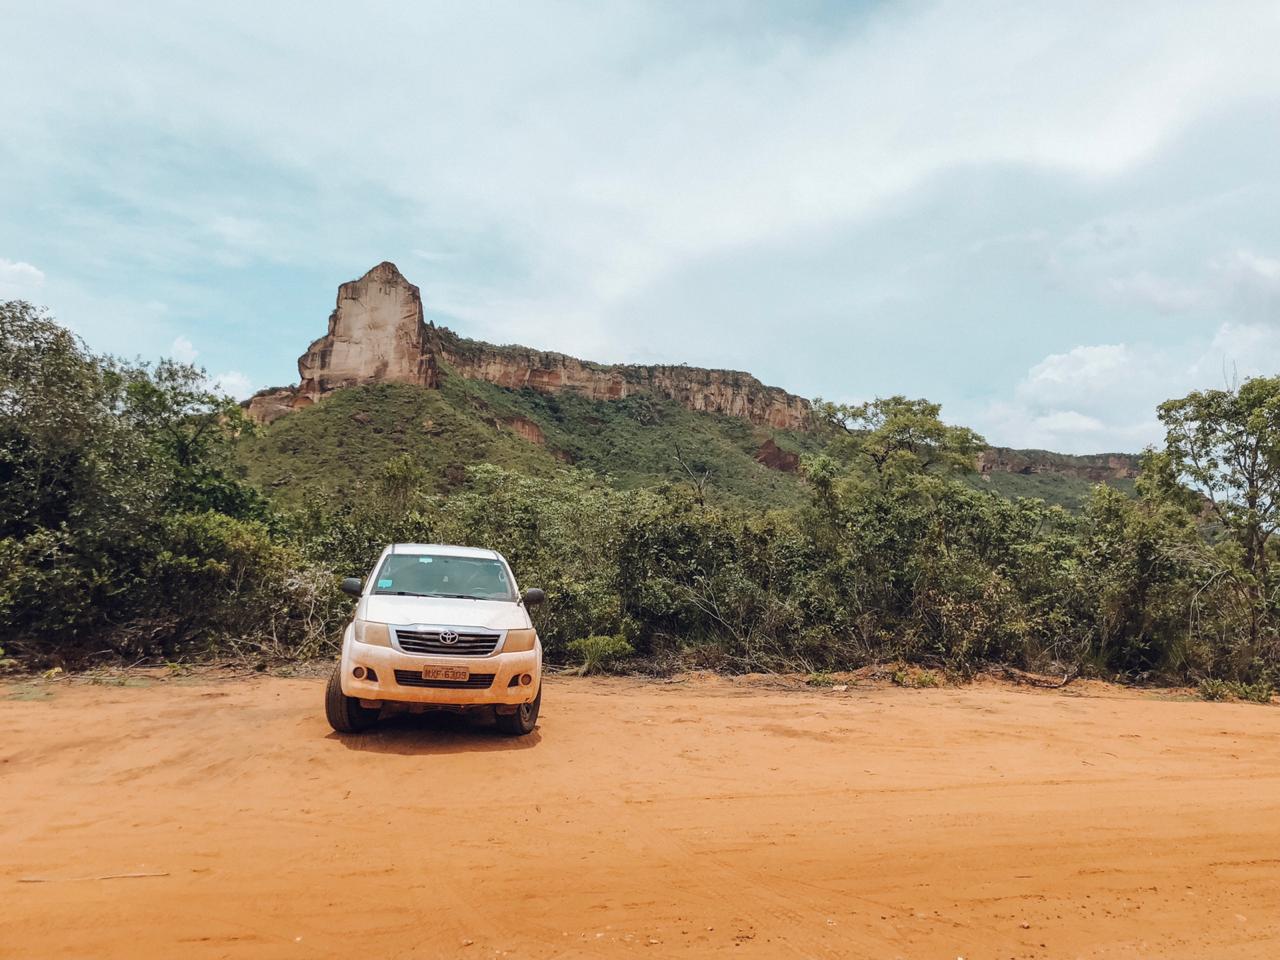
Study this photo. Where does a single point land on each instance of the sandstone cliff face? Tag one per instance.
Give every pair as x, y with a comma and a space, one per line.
728, 392
526, 428
268, 406
1096, 469
376, 334
775, 458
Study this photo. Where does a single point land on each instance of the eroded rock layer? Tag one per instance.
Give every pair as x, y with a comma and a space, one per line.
729, 392
1095, 468
377, 334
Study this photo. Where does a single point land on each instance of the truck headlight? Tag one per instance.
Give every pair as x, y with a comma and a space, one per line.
520, 640
377, 634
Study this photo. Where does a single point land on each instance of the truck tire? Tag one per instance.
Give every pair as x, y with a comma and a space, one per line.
346, 714
522, 722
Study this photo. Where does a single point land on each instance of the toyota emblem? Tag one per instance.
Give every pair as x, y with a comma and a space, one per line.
448, 636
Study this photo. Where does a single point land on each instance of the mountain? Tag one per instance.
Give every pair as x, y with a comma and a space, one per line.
377, 335
1054, 477
382, 382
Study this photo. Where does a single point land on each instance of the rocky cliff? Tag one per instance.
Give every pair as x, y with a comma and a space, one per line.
377, 333
1097, 468
729, 392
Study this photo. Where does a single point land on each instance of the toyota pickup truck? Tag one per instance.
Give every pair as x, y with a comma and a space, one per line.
438, 627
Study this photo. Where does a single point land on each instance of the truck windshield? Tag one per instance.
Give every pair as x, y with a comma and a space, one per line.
428, 575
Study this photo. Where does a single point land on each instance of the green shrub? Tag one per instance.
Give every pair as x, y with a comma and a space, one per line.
600, 653
127, 530
1214, 689
124, 528
226, 581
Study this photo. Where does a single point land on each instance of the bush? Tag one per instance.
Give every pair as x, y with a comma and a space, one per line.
127, 530
600, 653
124, 528
1211, 689
226, 582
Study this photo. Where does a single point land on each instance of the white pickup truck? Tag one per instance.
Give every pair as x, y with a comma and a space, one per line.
438, 627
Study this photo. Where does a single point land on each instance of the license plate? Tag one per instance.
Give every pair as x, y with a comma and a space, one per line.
460, 674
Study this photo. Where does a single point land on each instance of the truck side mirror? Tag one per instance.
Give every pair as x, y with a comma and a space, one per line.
353, 586
532, 597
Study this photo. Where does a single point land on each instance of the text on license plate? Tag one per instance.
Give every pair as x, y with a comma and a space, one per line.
446, 673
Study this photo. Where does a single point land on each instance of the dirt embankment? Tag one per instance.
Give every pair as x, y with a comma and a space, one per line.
690, 820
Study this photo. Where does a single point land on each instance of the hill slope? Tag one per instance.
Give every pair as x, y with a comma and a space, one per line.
332, 448
1056, 478
383, 382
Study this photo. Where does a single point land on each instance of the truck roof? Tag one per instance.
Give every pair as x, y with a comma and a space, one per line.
443, 550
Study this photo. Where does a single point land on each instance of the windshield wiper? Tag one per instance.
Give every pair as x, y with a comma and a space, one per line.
429, 596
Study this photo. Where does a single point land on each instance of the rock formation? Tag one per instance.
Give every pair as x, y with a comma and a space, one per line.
728, 392
526, 428
377, 334
1096, 468
775, 458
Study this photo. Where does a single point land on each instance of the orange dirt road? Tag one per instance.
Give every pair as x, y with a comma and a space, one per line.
696, 819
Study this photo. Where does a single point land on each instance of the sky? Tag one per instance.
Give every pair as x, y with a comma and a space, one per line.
1047, 217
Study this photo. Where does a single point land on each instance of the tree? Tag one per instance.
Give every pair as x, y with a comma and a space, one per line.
66, 460
191, 430
1226, 445
123, 523
699, 480
898, 437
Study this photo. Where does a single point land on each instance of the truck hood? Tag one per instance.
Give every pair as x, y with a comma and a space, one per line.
442, 611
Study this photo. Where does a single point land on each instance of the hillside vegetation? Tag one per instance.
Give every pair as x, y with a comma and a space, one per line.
333, 447
130, 530
1056, 489
338, 446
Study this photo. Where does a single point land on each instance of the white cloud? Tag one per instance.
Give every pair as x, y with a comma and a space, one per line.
430, 255
233, 383
1163, 293
1255, 267
551, 166
1085, 376
603, 147
1125, 429
1090, 399
19, 280
1252, 285
1237, 351
1103, 397
183, 351
1069, 421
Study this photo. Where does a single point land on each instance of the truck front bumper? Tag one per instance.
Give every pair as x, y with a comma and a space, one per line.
399, 677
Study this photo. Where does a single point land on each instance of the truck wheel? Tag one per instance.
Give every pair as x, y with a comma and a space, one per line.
525, 718
345, 714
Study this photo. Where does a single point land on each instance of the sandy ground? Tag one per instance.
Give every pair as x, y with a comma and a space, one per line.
705, 818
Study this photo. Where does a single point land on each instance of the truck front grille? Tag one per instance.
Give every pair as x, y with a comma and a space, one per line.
469, 643
477, 681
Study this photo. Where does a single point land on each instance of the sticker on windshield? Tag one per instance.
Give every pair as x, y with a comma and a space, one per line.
383, 584
425, 559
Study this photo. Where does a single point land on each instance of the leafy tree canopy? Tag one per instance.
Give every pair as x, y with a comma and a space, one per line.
898, 437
